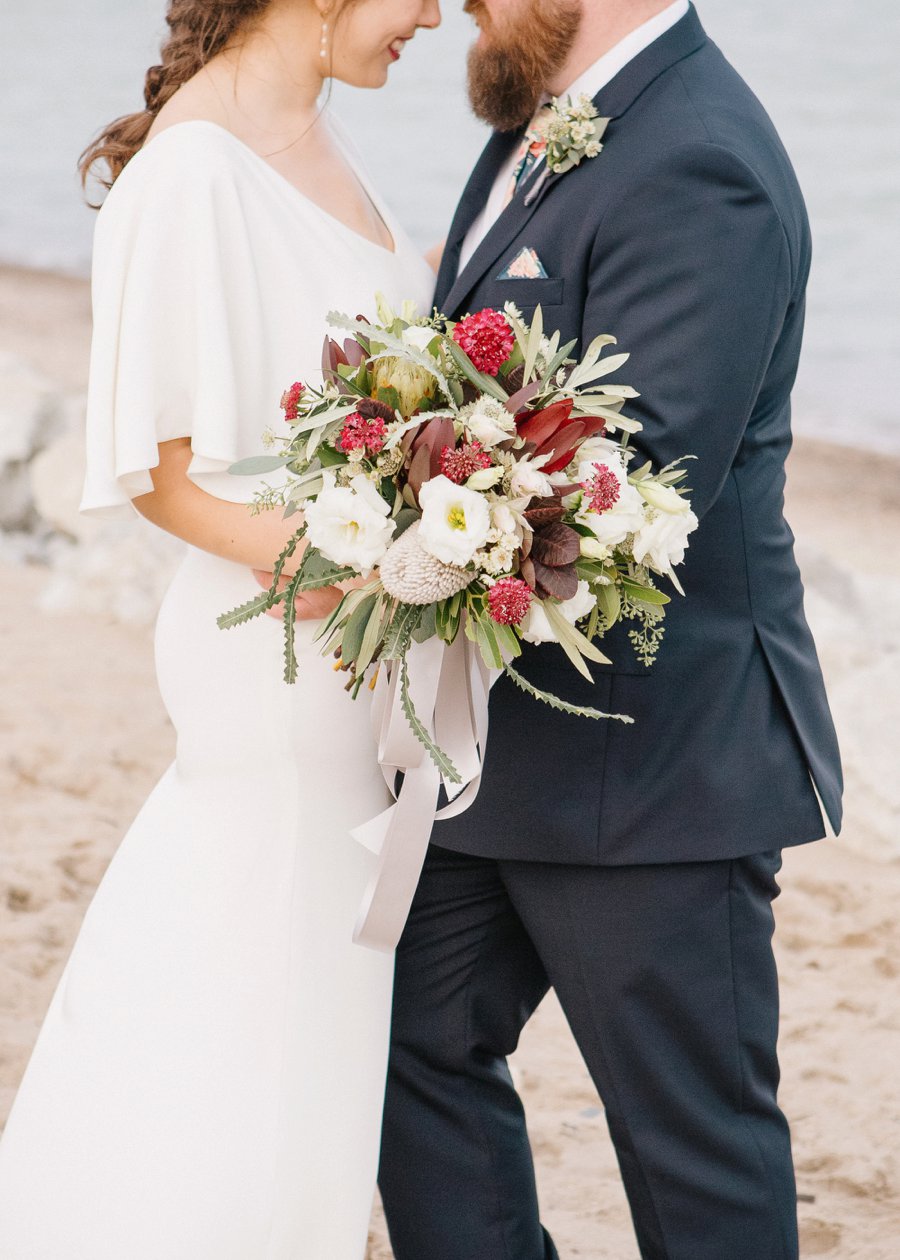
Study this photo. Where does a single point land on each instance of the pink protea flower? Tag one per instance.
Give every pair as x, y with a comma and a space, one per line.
362, 434
458, 463
486, 338
290, 401
509, 601
602, 490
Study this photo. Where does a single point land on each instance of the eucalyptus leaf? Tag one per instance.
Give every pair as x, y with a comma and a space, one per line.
256, 464
352, 639
372, 636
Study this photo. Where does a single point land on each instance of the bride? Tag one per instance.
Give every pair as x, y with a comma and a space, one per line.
208, 1082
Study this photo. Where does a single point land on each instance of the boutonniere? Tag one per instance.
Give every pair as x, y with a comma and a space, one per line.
572, 132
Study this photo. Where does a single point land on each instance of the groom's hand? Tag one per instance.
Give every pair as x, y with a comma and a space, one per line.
311, 605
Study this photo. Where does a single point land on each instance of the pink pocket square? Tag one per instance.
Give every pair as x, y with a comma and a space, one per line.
525, 266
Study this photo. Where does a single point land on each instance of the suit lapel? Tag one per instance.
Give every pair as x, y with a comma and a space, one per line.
475, 194
612, 101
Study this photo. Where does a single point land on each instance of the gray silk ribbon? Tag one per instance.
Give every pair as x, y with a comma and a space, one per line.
449, 686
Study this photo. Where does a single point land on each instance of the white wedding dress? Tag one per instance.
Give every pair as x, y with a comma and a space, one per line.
208, 1082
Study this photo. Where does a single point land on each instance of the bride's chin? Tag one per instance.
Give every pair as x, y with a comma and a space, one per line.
373, 75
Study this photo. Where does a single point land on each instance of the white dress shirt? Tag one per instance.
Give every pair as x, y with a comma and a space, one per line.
603, 71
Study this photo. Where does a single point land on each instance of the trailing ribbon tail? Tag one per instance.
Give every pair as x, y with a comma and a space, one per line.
449, 686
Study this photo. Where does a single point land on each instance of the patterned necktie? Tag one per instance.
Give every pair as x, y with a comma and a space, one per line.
530, 152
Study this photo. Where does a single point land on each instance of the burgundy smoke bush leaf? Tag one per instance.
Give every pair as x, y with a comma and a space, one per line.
555, 545
544, 512
561, 583
526, 571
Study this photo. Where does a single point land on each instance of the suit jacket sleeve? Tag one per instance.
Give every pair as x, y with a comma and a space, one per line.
692, 273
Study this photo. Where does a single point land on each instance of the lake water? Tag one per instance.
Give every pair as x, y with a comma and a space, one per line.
827, 71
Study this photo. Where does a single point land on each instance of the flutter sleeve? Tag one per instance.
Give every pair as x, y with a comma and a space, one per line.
176, 348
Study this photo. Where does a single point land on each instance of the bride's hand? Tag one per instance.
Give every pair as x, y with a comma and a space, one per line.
311, 605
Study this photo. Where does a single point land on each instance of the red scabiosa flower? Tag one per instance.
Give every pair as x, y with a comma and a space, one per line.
602, 490
509, 601
362, 434
486, 338
290, 401
458, 463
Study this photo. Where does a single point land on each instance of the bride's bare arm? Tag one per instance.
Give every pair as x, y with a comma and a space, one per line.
181, 508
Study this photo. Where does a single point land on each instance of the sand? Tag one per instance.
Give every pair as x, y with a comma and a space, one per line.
83, 737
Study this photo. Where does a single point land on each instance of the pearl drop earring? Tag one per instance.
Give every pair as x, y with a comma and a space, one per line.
323, 44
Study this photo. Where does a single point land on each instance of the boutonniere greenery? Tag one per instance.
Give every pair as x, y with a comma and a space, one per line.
572, 131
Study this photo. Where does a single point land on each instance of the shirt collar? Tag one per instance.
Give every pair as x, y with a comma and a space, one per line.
605, 69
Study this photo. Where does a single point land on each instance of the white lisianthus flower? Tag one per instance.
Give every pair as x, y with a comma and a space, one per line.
527, 480
419, 338
662, 541
536, 627
488, 422
349, 524
665, 498
455, 521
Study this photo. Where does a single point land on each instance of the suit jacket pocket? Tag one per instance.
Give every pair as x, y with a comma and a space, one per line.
541, 291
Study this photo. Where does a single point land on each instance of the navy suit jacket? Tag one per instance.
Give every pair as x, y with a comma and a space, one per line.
686, 238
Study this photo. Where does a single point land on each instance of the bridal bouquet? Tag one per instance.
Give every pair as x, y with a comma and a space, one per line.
474, 479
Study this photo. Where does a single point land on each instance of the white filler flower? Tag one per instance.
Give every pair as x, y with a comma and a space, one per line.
455, 521
488, 422
537, 629
349, 524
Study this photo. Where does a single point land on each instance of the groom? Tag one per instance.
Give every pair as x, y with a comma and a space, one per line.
630, 867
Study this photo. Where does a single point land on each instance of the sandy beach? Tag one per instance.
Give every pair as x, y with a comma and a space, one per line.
83, 737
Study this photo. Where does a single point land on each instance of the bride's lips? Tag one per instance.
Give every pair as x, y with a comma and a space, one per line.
396, 48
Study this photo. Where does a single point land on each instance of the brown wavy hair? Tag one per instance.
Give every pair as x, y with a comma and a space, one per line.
198, 30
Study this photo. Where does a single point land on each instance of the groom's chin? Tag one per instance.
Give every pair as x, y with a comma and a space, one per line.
498, 96
512, 62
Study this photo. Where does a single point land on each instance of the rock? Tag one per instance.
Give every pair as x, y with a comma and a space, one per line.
57, 476
31, 416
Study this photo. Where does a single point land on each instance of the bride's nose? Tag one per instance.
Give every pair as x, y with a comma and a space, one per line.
430, 14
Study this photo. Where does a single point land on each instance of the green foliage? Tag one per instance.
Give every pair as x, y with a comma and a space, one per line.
256, 464
556, 703
486, 384
329, 456
389, 396
437, 755
352, 638
398, 633
254, 607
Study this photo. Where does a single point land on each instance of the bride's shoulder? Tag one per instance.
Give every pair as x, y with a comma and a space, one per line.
188, 162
